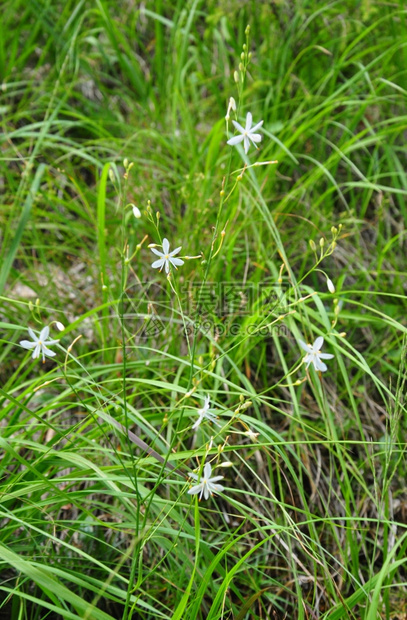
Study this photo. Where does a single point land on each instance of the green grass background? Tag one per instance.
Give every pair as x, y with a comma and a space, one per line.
312, 523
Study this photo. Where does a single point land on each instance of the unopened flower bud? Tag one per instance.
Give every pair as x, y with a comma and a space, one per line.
126, 163
253, 436
322, 242
312, 245
247, 31
330, 285
242, 56
136, 212
236, 77
59, 326
111, 175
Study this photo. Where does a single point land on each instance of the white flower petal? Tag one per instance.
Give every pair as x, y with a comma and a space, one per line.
158, 263
47, 352
205, 491
211, 417
216, 488
177, 262
304, 346
194, 490
37, 351
198, 422
246, 143
249, 120
49, 342
166, 246
32, 335
207, 471
256, 127
320, 365
318, 343
216, 478
157, 252
308, 359
235, 140
326, 356
27, 344
167, 266
176, 251
238, 126
255, 137
44, 333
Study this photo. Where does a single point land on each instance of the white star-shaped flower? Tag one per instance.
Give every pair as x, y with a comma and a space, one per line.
167, 257
246, 134
207, 485
205, 412
39, 344
314, 354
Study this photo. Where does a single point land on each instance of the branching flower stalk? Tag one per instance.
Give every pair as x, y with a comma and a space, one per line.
239, 80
